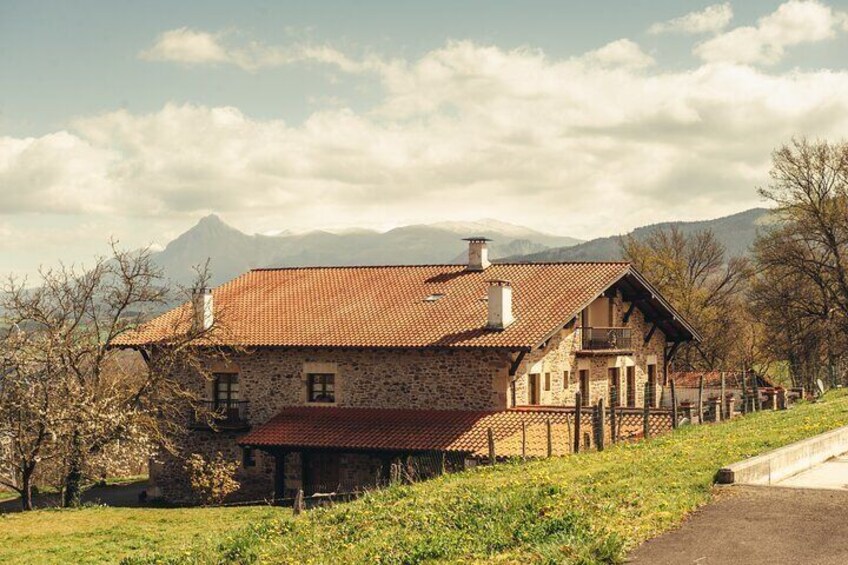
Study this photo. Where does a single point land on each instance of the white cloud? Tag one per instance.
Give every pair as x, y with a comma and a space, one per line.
711, 19
793, 23
192, 47
464, 131
184, 45
622, 52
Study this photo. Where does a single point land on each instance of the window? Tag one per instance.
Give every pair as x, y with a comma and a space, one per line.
614, 378
533, 389
652, 386
321, 387
547, 382
248, 457
631, 387
584, 386
225, 390
566, 379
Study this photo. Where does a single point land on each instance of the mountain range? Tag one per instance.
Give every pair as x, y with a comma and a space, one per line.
736, 232
232, 252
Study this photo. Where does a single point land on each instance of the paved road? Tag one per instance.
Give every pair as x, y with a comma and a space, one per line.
758, 525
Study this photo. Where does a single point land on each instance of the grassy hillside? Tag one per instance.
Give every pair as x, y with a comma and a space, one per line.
104, 535
589, 508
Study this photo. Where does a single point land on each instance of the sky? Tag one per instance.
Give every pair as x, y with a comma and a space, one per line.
134, 119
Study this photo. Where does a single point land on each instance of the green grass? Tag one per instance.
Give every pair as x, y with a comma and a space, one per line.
589, 508
104, 535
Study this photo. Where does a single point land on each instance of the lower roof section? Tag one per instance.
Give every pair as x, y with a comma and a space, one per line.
396, 430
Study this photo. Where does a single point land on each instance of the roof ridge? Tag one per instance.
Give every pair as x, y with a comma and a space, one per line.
426, 265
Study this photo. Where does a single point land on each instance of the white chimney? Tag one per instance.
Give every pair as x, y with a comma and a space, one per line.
478, 253
204, 316
500, 304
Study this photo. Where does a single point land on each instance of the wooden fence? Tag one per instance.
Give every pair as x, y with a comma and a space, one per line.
556, 431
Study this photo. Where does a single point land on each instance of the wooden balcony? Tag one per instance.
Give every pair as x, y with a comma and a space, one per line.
230, 415
606, 339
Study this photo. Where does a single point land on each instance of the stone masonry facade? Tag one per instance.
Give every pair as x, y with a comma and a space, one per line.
562, 360
473, 379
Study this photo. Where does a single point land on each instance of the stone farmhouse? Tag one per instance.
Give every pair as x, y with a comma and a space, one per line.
344, 371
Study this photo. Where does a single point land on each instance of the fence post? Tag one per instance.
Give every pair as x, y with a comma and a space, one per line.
523, 439
491, 435
701, 400
673, 405
646, 413
297, 507
744, 395
599, 425
550, 437
578, 408
613, 418
723, 398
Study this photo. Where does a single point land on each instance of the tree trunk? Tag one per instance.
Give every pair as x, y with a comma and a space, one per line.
26, 490
73, 478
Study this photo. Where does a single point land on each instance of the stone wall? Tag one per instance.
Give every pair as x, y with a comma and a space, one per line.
562, 356
274, 378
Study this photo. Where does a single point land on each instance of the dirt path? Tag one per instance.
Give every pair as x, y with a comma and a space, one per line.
112, 495
758, 525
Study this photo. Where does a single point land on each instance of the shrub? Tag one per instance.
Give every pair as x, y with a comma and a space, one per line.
212, 480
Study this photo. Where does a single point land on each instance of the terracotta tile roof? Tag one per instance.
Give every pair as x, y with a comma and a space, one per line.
416, 430
386, 306
712, 379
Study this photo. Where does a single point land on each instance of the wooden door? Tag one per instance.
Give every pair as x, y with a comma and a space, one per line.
533, 390
324, 473
631, 387
584, 387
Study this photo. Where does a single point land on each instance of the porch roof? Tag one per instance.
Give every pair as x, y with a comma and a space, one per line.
463, 431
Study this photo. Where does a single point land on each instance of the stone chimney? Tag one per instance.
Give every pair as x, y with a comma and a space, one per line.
204, 315
500, 304
478, 253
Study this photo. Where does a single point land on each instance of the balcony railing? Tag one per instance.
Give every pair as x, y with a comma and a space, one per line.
222, 415
607, 338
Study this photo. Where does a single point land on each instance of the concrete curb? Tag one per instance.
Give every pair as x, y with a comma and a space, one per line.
786, 461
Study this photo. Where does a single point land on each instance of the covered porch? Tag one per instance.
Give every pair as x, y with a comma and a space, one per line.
343, 451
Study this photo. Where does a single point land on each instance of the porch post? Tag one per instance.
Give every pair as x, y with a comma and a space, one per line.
305, 474
279, 475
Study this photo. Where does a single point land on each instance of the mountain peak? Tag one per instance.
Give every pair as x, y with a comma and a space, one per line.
211, 220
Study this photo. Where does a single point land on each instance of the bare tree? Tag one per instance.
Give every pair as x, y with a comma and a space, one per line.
693, 272
69, 394
802, 263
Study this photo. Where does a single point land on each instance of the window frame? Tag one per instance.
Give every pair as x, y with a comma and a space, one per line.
248, 457
231, 394
326, 389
